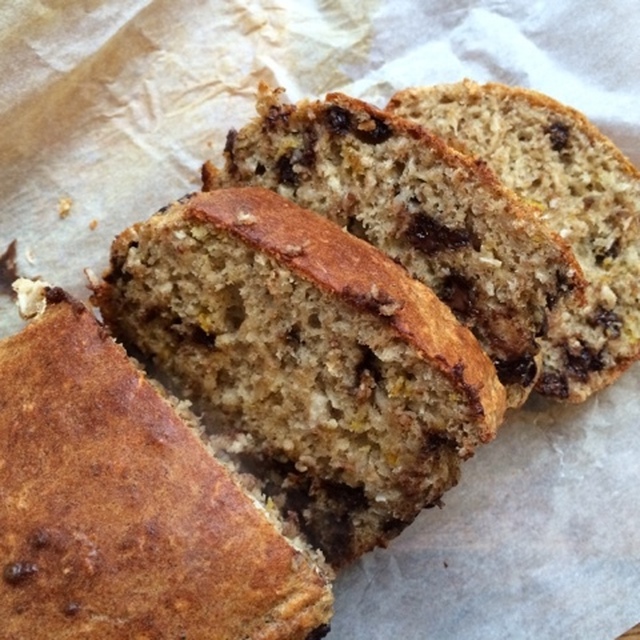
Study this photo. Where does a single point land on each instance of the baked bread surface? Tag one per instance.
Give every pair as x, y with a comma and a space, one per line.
349, 376
116, 520
447, 219
584, 188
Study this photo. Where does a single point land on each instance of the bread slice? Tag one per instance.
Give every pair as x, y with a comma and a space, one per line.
447, 219
117, 522
351, 390
581, 186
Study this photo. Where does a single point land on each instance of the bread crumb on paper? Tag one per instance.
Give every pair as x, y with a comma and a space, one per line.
64, 207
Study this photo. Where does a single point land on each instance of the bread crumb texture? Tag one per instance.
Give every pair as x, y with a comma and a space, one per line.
446, 218
583, 188
355, 423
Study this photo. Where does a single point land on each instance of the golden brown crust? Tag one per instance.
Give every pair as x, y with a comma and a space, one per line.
535, 99
321, 252
578, 118
116, 520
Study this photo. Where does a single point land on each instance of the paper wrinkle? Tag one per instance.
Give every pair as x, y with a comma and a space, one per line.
115, 105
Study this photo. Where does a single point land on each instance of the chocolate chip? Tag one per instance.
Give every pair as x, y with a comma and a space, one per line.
374, 131
430, 236
285, 172
292, 336
459, 294
520, 370
564, 285
151, 313
117, 273
583, 361
16, 573
393, 526
260, 169
229, 151
356, 228
554, 385
277, 115
558, 133
306, 155
232, 136
338, 120
608, 320
184, 199
56, 295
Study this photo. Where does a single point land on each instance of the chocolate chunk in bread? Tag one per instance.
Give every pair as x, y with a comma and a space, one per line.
440, 214
116, 519
583, 187
349, 387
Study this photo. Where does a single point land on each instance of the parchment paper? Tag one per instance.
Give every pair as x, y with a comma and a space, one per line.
107, 111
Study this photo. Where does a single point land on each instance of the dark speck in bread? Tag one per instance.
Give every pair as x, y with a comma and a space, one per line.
522, 369
71, 609
374, 131
458, 292
609, 320
430, 236
554, 385
558, 133
285, 171
338, 120
582, 362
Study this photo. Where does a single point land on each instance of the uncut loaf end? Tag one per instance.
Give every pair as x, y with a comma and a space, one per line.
340, 381
117, 520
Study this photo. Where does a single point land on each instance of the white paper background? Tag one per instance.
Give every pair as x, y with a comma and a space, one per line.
116, 104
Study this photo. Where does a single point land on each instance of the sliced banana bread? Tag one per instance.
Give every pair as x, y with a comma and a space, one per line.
117, 521
340, 381
444, 217
583, 187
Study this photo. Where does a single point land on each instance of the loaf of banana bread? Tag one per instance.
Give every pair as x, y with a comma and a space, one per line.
341, 382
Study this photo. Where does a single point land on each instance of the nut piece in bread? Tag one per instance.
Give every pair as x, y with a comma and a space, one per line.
583, 187
446, 218
352, 390
117, 522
